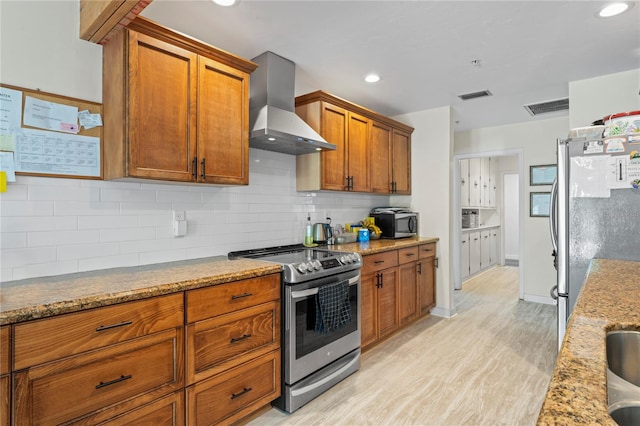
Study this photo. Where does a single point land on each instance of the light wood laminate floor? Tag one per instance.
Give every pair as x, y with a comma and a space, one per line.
489, 365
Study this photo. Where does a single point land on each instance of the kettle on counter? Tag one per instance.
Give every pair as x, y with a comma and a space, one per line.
322, 232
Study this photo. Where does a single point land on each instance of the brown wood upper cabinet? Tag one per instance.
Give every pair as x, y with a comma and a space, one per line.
373, 152
176, 109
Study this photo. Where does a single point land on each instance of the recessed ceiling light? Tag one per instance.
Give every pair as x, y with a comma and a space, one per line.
613, 9
225, 2
372, 78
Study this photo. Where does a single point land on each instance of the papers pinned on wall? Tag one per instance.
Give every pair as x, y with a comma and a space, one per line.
51, 135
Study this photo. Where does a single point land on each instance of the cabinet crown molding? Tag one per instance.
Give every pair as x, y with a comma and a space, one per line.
160, 32
321, 95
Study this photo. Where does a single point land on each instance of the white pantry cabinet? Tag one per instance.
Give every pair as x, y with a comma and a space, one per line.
479, 250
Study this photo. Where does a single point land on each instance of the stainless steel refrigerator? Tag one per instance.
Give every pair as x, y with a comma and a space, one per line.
594, 211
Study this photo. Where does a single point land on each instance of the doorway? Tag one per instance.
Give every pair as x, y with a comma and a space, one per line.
512, 163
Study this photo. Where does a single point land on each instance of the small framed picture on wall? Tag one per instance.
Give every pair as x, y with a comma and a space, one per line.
539, 204
542, 175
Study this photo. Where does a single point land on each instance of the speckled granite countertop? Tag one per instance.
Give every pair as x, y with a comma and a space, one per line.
609, 300
377, 246
48, 296
34, 298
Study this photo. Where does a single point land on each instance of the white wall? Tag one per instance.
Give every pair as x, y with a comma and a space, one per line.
595, 98
511, 216
51, 226
538, 142
431, 162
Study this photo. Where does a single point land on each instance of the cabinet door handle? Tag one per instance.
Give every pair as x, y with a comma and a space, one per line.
238, 339
194, 166
108, 327
239, 394
436, 262
240, 296
420, 268
202, 172
114, 381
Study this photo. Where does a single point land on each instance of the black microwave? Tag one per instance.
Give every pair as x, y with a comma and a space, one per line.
396, 222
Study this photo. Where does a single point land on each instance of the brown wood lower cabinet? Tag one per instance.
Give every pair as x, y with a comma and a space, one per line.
5, 377
98, 385
397, 287
166, 411
125, 364
5, 400
230, 396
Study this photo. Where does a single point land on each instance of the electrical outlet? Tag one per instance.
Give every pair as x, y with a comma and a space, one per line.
179, 215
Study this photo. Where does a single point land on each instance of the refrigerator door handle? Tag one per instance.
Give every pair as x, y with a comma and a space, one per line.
553, 218
554, 292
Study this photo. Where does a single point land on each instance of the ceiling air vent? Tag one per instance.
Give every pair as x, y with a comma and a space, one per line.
548, 106
474, 95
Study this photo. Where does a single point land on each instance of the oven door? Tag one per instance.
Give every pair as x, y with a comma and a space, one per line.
305, 350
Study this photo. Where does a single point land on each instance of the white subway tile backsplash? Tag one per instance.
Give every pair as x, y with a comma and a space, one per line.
85, 208
56, 238
108, 262
45, 269
127, 234
140, 246
26, 208
163, 256
64, 193
36, 223
107, 222
84, 251
74, 225
127, 195
11, 240
13, 258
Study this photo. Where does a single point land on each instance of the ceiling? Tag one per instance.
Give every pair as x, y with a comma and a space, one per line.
528, 51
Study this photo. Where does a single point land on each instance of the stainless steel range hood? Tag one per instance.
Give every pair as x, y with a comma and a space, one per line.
273, 123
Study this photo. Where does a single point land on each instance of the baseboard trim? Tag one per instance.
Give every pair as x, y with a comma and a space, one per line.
547, 300
443, 313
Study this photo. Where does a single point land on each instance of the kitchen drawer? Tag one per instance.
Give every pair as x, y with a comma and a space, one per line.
406, 255
166, 411
5, 351
5, 400
221, 299
230, 396
53, 338
217, 344
427, 250
379, 261
101, 384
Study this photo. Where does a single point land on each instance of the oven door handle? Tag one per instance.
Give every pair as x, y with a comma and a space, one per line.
311, 291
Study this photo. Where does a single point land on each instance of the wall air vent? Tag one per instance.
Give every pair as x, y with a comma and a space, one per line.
474, 95
547, 106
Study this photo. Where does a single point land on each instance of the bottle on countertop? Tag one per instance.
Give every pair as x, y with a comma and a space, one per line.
308, 232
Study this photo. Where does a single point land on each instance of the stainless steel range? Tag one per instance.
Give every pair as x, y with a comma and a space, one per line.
321, 318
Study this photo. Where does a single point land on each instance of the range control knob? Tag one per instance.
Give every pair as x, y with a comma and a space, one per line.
344, 259
302, 268
317, 265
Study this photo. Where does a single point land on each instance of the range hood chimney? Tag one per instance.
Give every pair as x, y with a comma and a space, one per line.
273, 123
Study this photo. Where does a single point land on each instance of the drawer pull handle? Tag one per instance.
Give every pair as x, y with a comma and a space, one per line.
120, 324
238, 339
112, 382
377, 262
410, 254
240, 296
239, 394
